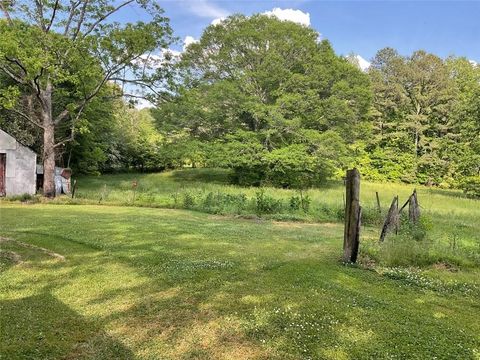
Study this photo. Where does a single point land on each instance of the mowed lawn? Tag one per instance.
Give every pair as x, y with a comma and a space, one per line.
105, 282
452, 215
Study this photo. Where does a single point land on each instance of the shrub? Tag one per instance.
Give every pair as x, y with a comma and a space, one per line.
266, 204
221, 202
471, 186
188, 200
295, 202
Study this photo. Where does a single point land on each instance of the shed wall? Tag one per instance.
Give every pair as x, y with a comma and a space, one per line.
20, 176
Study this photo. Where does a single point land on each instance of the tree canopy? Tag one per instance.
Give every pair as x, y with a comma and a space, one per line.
263, 97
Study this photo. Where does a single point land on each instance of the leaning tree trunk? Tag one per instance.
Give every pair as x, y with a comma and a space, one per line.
48, 143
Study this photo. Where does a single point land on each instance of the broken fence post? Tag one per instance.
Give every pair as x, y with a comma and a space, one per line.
391, 219
353, 213
413, 208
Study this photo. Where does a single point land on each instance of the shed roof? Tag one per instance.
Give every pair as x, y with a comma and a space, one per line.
2, 132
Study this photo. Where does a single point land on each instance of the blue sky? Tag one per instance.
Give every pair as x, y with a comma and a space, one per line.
441, 27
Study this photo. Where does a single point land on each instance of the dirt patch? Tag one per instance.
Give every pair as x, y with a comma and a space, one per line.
445, 267
33, 247
299, 225
10, 256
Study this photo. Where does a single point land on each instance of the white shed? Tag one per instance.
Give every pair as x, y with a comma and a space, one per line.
17, 167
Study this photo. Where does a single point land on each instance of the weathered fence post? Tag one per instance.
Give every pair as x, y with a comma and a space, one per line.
353, 213
391, 219
379, 208
413, 208
74, 188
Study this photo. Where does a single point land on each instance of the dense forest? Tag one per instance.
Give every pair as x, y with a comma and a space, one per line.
263, 97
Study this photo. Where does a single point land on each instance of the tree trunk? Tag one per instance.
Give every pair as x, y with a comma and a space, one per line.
49, 161
48, 143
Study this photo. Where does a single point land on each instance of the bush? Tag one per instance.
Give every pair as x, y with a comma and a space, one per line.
471, 186
266, 204
301, 201
224, 203
188, 200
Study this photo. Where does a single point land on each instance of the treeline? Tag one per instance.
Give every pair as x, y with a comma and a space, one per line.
270, 101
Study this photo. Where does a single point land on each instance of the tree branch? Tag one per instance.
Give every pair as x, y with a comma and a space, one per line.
80, 19
39, 13
71, 14
54, 12
6, 13
12, 75
103, 17
26, 117
72, 133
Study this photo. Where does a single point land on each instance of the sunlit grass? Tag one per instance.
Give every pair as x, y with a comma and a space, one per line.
454, 217
140, 283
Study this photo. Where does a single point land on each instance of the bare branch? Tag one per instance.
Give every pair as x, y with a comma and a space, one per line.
73, 7
26, 117
80, 19
72, 133
35, 81
105, 16
54, 12
39, 14
61, 116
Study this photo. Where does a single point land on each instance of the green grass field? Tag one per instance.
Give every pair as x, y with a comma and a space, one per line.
123, 282
451, 214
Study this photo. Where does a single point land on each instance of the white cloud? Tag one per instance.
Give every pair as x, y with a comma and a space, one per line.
297, 16
217, 21
204, 8
156, 60
362, 63
143, 104
188, 40
473, 62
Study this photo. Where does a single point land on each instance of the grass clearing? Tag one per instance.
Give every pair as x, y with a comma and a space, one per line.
139, 283
451, 218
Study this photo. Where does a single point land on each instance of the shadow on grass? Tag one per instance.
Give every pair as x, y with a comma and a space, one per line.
180, 286
218, 176
41, 327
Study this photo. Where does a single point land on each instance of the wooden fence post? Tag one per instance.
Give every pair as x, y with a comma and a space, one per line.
413, 208
379, 208
74, 188
391, 219
353, 213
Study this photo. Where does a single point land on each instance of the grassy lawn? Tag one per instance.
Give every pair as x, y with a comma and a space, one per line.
146, 283
451, 215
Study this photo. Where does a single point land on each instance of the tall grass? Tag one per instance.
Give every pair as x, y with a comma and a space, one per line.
454, 217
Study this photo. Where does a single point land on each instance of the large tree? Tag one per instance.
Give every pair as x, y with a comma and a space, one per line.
61, 54
272, 96
412, 102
